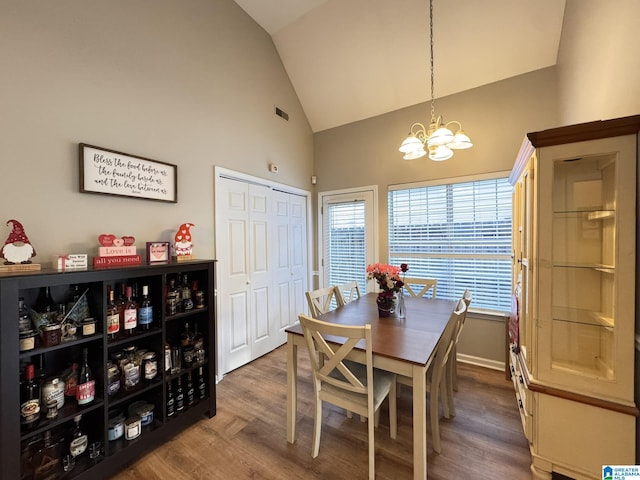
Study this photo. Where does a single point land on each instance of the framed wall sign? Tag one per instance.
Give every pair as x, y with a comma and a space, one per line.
109, 172
158, 252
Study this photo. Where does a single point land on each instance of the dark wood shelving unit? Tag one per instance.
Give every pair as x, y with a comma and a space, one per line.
166, 329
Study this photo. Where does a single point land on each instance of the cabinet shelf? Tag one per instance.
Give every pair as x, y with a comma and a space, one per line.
599, 267
582, 316
187, 314
124, 396
591, 215
41, 350
65, 414
185, 370
134, 338
596, 370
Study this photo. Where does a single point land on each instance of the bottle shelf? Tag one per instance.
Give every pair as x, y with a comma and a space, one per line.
185, 370
97, 337
124, 340
124, 396
69, 410
182, 315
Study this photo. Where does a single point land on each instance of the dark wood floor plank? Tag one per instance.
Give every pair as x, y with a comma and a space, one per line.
247, 439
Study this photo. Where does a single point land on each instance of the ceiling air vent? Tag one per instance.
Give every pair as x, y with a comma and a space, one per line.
282, 114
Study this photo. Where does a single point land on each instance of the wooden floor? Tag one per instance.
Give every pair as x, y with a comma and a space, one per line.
247, 439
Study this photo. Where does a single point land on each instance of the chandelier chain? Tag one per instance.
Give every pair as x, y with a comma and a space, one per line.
433, 100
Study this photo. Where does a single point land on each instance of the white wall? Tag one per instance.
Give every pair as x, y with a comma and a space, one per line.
598, 61
189, 82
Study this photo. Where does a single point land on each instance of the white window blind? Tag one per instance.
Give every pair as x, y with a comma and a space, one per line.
458, 233
345, 247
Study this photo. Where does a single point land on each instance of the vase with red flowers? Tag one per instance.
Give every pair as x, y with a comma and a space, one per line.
388, 279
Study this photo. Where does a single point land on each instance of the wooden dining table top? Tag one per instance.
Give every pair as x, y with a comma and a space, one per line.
412, 339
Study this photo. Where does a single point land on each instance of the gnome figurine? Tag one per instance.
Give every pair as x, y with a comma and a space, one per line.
183, 245
17, 248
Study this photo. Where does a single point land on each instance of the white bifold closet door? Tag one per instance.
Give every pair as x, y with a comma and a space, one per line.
261, 248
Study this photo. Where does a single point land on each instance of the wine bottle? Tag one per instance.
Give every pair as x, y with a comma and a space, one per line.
29, 399
24, 317
172, 299
179, 396
171, 407
47, 460
145, 312
113, 318
120, 302
86, 388
186, 338
44, 300
191, 399
202, 387
79, 439
70, 377
73, 297
130, 313
185, 294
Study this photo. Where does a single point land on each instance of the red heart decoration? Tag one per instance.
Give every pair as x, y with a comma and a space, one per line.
128, 241
106, 240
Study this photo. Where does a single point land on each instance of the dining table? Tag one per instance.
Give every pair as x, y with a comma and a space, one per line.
404, 346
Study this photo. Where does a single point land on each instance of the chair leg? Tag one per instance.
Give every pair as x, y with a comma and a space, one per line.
317, 425
434, 414
393, 412
444, 395
454, 370
372, 450
451, 364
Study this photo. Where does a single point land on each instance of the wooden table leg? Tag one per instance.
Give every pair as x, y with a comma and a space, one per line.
292, 387
419, 423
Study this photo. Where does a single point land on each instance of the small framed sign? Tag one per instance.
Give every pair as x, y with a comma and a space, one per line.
115, 173
158, 252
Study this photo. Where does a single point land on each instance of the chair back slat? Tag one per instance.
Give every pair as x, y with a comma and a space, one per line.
320, 300
347, 292
424, 284
328, 359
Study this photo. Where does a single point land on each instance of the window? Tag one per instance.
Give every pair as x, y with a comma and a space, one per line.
458, 233
347, 235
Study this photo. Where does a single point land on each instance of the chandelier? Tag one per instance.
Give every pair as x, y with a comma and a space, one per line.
439, 138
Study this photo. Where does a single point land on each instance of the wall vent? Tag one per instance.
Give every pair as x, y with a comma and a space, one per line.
282, 114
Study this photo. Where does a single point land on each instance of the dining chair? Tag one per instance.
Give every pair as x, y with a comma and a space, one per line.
418, 287
347, 292
437, 381
452, 366
322, 300
354, 386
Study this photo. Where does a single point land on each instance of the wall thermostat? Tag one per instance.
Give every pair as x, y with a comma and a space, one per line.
273, 168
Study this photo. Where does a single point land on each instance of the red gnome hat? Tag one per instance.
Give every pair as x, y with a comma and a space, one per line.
17, 233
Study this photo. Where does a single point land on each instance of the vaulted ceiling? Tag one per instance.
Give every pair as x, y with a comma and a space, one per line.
353, 59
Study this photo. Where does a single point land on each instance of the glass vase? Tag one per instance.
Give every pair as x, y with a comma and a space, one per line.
401, 311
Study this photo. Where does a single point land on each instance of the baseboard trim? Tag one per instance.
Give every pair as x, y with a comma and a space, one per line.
481, 362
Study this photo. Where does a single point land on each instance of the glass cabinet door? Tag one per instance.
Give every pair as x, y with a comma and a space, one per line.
587, 267
583, 264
